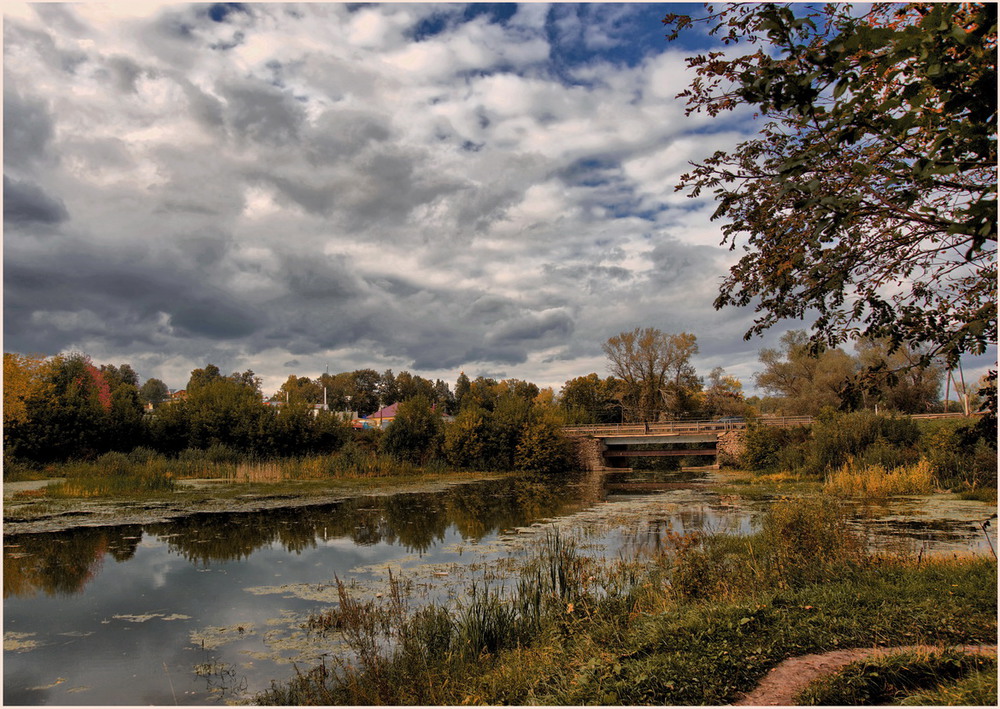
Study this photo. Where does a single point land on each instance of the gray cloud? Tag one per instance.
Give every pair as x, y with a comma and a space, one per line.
27, 128
259, 113
301, 186
126, 73
26, 203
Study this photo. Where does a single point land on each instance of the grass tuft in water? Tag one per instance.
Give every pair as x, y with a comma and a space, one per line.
879, 482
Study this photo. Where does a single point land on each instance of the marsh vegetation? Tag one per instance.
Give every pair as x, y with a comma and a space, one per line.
699, 623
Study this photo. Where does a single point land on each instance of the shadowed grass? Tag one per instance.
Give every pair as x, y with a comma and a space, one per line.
896, 678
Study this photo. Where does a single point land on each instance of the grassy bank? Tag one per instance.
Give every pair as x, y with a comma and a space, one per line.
867, 454
696, 625
909, 678
143, 474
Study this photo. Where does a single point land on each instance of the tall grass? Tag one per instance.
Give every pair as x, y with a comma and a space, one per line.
144, 472
126, 485
879, 482
978, 688
115, 475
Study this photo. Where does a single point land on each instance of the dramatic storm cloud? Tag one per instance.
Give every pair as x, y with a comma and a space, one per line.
291, 188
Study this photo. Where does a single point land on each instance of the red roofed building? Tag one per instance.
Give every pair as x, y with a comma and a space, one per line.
383, 417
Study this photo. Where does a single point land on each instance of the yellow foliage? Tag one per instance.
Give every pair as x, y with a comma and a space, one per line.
23, 378
878, 482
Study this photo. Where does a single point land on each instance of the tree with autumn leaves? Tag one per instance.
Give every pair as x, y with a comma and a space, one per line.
654, 372
866, 201
65, 406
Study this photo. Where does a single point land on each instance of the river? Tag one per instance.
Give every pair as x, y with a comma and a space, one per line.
210, 608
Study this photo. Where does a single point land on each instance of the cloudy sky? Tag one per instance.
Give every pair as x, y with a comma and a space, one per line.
291, 188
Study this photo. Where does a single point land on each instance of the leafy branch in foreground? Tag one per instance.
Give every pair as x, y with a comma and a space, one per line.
867, 200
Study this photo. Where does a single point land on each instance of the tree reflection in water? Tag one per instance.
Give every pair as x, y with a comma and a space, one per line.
63, 563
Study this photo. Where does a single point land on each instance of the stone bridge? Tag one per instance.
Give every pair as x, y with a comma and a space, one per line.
611, 445
608, 445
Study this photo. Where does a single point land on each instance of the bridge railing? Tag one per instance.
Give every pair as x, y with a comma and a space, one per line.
679, 427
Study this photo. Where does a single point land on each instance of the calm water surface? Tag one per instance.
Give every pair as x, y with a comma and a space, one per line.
209, 609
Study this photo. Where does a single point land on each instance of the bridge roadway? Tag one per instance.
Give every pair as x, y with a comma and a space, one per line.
649, 432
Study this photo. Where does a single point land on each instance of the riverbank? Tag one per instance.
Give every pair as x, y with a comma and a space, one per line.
701, 622
26, 509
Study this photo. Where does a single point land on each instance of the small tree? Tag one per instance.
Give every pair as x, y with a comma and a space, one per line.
542, 448
804, 381
416, 434
154, 392
654, 370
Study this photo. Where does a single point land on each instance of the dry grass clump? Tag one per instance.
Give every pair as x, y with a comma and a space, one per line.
879, 482
780, 477
258, 472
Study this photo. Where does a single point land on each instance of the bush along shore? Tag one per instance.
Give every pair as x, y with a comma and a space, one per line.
700, 623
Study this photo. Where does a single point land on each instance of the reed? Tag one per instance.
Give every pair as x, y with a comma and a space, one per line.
879, 482
259, 472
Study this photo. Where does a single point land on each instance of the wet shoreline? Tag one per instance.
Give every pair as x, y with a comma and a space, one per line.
193, 498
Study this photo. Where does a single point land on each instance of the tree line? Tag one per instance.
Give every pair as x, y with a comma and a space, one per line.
66, 407
652, 379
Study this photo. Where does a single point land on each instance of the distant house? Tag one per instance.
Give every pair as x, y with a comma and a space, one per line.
383, 417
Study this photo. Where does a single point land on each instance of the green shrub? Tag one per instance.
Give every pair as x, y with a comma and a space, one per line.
805, 538
542, 448
416, 434
842, 437
769, 448
761, 447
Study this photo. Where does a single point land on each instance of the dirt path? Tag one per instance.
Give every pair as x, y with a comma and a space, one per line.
784, 682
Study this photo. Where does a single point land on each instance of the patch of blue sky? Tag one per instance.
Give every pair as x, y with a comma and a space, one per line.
447, 16
219, 11
580, 34
623, 34
590, 172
